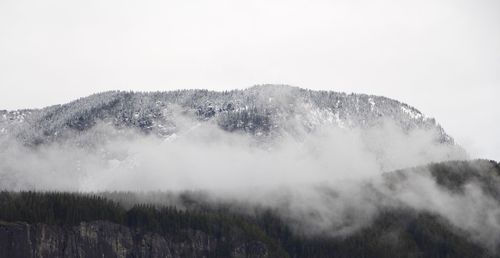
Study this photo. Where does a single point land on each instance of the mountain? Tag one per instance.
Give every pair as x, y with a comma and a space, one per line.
269, 171
262, 111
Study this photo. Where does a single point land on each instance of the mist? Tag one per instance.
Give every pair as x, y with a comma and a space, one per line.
203, 156
329, 181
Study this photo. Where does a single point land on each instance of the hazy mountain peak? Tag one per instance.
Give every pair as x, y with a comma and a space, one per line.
261, 110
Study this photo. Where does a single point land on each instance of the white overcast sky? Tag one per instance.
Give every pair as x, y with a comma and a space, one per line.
442, 57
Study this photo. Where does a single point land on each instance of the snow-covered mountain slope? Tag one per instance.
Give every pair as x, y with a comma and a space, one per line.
262, 111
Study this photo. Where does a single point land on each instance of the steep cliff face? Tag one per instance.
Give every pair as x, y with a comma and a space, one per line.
105, 239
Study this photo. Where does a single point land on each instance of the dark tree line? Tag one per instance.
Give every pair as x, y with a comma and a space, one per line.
393, 233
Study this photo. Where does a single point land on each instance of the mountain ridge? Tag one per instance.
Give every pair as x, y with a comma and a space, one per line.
261, 110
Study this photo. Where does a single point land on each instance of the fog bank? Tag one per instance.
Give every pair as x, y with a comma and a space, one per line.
328, 181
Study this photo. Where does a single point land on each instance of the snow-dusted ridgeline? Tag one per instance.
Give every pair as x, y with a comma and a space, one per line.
263, 110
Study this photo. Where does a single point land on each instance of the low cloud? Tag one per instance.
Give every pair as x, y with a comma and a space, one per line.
327, 182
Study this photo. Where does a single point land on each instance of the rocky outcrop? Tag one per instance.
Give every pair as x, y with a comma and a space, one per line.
105, 239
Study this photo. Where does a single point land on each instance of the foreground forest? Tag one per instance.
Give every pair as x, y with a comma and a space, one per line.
54, 224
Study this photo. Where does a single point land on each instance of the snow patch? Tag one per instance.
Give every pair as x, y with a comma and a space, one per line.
372, 103
412, 113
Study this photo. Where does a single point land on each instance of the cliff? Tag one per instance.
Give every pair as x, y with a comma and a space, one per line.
105, 239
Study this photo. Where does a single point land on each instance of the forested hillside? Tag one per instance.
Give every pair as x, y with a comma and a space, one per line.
117, 225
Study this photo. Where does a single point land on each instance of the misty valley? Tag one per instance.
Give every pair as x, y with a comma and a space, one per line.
269, 171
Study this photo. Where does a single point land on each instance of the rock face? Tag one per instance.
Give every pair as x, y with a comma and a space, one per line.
105, 239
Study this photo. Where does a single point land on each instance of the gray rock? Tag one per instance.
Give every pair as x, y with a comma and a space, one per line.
105, 239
